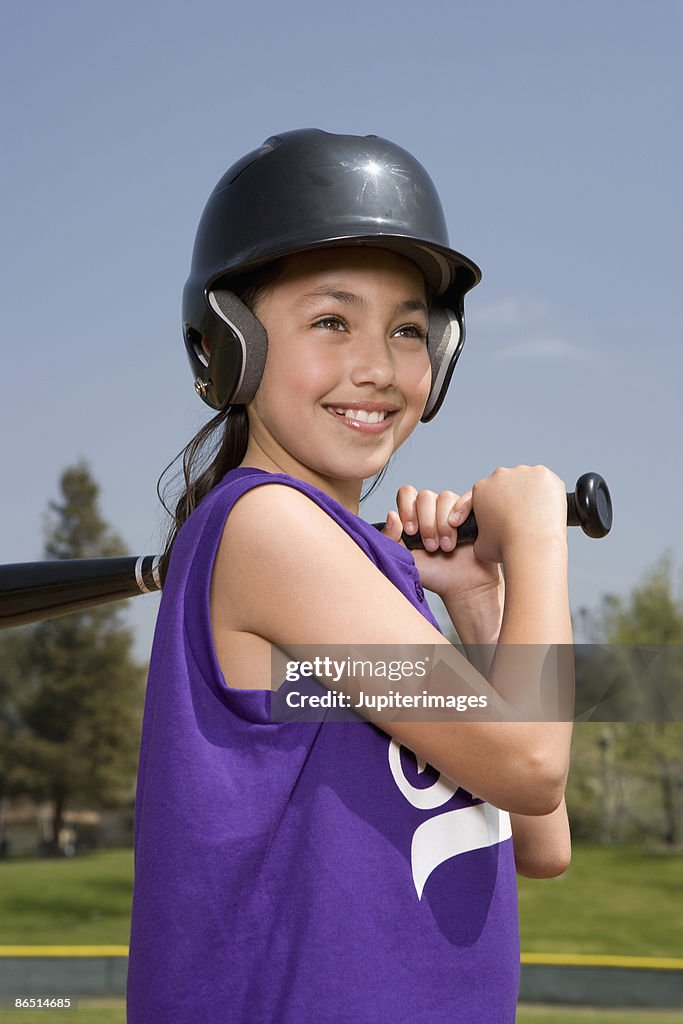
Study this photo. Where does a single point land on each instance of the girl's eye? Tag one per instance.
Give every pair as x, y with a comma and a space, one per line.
412, 331
334, 323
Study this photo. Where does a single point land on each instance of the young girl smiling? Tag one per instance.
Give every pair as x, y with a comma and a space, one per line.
323, 870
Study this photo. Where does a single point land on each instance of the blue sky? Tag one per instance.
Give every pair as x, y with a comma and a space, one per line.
552, 132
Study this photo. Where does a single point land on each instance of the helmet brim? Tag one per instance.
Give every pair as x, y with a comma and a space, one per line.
448, 274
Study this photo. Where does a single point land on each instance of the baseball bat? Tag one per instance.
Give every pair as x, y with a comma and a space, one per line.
33, 591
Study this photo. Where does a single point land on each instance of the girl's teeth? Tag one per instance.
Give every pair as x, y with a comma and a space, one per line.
361, 414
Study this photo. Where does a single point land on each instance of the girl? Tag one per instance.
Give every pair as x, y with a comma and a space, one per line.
325, 871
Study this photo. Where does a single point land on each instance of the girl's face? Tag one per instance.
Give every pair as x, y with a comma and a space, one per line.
347, 330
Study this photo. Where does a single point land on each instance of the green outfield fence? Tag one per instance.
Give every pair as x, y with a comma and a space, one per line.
563, 978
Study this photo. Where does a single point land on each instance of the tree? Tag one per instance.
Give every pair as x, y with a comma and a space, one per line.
81, 693
11, 650
653, 615
633, 770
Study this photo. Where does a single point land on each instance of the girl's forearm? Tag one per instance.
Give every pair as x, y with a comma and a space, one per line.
477, 617
537, 595
537, 616
532, 609
542, 843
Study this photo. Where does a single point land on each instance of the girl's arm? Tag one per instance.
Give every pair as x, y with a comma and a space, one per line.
320, 588
542, 843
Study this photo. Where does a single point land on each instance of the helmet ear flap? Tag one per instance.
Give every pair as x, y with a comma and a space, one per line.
445, 340
238, 351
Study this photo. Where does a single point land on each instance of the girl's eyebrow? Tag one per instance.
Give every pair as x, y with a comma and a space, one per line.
351, 299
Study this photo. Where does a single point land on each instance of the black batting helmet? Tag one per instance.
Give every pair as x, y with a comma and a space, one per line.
304, 190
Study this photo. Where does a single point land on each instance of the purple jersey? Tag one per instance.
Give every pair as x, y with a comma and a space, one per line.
303, 871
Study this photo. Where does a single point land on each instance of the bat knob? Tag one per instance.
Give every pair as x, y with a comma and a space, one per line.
590, 506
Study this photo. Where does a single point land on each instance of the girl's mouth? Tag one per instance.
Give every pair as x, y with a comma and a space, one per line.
360, 420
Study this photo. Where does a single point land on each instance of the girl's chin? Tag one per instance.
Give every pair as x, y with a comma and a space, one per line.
350, 461
348, 469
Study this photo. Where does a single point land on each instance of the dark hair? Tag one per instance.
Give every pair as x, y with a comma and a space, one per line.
221, 444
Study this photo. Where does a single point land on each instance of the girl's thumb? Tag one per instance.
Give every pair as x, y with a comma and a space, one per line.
392, 527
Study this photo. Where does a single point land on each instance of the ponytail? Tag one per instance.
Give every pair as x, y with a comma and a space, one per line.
218, 447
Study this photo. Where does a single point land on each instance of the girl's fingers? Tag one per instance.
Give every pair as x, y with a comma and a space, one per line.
407, 511
417, 510
435, 516
445, 532
461, 509
393, 527
426, 517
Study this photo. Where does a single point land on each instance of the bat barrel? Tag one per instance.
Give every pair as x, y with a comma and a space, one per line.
32, 591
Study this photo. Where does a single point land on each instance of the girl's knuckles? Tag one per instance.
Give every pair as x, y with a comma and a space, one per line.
405, 494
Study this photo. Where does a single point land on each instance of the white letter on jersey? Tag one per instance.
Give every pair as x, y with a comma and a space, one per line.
445, 835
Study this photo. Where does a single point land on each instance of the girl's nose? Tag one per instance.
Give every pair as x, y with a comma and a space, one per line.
373, 362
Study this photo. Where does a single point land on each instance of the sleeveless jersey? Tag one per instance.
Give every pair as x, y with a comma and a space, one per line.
303, 871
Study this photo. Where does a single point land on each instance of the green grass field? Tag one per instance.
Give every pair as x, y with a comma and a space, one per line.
619, 900
72, 901
588, 1015
90, 1011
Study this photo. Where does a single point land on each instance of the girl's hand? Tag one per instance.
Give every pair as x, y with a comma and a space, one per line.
446, 569
519, 510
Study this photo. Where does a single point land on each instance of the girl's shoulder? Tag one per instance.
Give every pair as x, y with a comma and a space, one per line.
292, 561
265, 501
